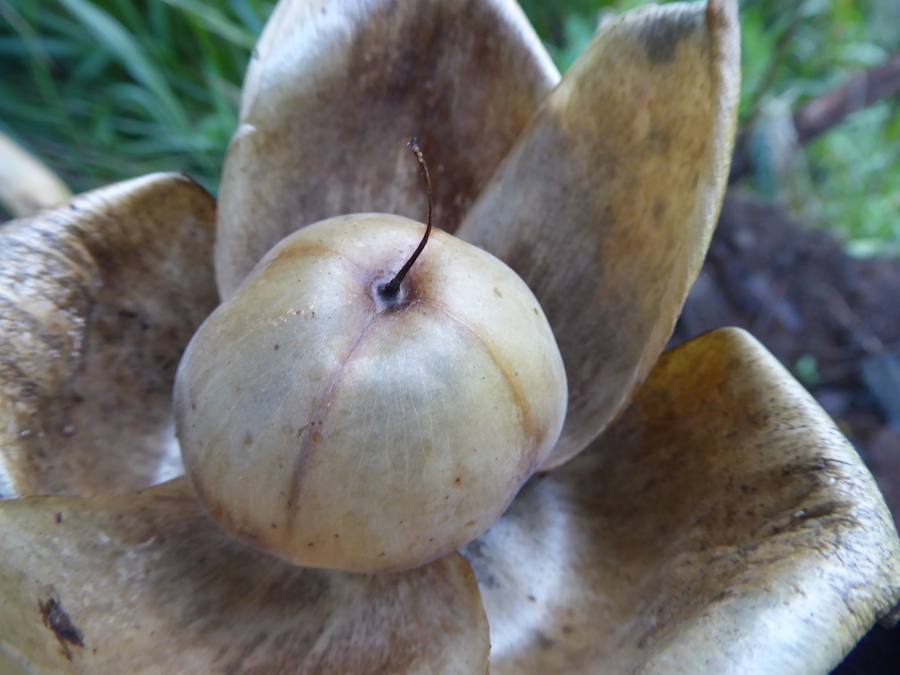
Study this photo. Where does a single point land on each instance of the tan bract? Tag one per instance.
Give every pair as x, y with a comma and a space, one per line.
99, 298
27, 185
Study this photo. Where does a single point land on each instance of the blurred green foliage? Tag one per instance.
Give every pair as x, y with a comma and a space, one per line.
109, 89
848, 179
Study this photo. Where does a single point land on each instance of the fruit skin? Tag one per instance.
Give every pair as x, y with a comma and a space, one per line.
335, 428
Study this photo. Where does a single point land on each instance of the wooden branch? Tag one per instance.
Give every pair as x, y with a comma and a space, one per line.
824, 112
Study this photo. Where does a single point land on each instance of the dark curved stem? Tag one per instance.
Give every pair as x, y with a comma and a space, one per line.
391, 288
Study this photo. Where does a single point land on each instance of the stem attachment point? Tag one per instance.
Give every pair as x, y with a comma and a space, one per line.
392, 288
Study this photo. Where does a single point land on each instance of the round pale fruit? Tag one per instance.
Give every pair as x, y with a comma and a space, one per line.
336, 427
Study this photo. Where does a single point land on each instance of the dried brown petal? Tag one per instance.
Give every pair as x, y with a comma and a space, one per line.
98, 299
334, 91
721, 525
606, 204
145, 583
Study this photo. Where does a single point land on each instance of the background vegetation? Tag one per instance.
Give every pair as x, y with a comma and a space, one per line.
108, 89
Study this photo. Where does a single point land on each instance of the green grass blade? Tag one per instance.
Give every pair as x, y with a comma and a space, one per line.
113, 36
216, 22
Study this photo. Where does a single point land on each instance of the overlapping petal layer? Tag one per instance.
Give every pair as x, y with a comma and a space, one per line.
146, 583
337, 87
607, 202
98, 299
721, 525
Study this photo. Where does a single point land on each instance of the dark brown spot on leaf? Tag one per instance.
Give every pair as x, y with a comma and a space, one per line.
543, 642
659, 209
661, 38
55, 618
